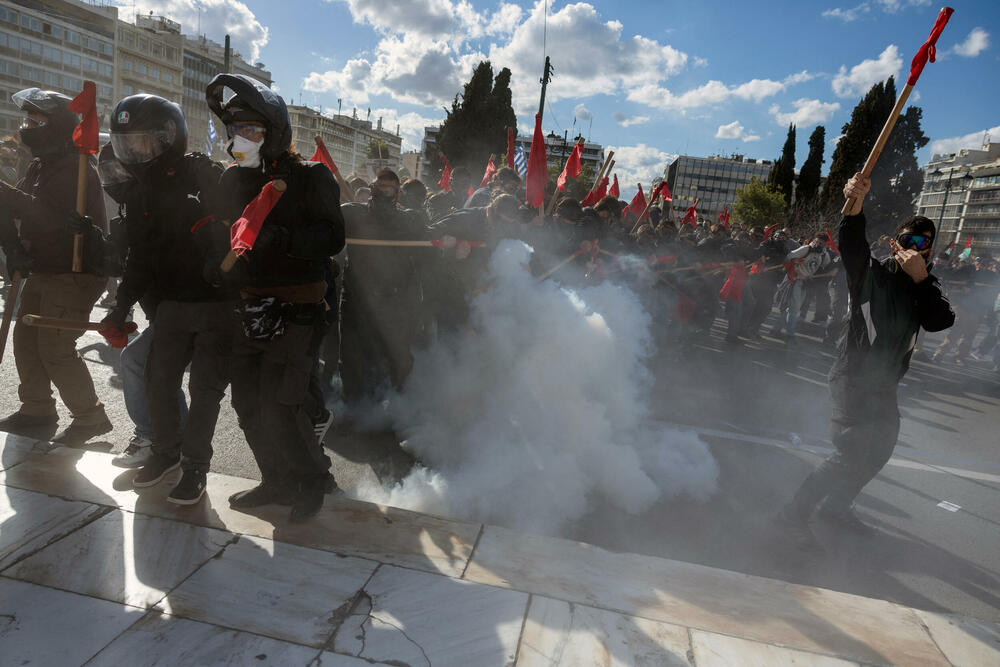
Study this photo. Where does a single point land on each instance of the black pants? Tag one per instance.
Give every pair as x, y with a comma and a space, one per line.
865, 427
762, 286
199, 334
270, 383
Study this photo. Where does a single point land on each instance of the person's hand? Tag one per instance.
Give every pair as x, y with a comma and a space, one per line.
462, 250
115, 331
78, 224
911, 261
857, 187
273, 237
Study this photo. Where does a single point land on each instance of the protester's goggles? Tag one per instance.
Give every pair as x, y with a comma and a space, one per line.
916, 241
251, 131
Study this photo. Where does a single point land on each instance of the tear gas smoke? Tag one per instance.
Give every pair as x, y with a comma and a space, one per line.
544, 413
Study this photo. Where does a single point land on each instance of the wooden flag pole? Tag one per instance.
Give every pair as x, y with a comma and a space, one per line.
604, 169
883, 137
229, 261
8, 311
81, 209
70, 325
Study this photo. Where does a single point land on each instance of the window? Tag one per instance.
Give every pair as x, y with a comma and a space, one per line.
143, 44
167, 77
51, 79
104, 91
127, 65
73, 37
71, 59
126, 90
8, 15
140, 68
51, 54
72, 83
57, 32
31, 74
154, 73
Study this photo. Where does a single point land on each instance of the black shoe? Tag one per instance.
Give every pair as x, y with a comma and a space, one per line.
798, 534
846, 519
189, 490
19, 421
262, 494
308, 500
330, 487
77, 434
158, 467
322, 427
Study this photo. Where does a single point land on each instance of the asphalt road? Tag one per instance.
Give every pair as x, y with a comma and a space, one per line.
748, 402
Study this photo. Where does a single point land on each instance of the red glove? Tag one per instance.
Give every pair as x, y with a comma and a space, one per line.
117, 333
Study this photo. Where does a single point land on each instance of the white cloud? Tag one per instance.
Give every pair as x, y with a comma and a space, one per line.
713, 92
751, 137
972, 140
627, 121
865, 74
216, 17
807, 112
639, 164
977, 42
582, 113
730, 131
888, 6
411, 125
427, 18
847, 15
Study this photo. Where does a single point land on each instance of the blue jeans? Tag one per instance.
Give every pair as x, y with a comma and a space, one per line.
791, 323
133, 374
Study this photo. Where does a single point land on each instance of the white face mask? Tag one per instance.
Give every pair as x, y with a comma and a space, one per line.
246, 152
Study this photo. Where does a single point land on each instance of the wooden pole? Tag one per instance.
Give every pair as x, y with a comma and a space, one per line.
8, 311
229, 261
81, 209
883, 137
71, 325
604, 169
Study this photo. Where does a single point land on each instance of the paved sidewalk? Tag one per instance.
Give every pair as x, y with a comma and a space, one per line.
92, 572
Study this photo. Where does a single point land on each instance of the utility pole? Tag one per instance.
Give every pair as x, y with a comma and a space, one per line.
546, 77
226, 56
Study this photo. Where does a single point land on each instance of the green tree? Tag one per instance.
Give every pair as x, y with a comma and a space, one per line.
811, 173
782, 176
758, 205
578, 187
476, 126
896, 179
377, 149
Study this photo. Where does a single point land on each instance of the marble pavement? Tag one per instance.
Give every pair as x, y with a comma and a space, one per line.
93, 573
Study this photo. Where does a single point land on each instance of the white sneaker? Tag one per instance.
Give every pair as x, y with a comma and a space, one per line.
136, 454
322, 428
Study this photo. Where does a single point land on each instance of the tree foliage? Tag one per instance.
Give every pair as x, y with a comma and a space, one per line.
578, 187
377, 149
758, 205
896, 179
476, 126
782, 176
812, 169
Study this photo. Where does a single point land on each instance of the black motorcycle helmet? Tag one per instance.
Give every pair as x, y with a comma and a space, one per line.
148, 134
116, 180
237, 97
56, 135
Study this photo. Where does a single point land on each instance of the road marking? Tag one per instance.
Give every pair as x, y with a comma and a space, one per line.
951, 507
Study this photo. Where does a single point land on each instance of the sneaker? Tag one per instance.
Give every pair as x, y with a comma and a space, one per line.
18, 421
798, 534
78, 434
308, 500
978, 356
846, 519
136, 454
262, 494
189, 490
157, 467
321, 428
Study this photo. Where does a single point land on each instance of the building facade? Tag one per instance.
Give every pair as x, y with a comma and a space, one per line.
347, 139
149, 58
55, 45
961, 194
714, 179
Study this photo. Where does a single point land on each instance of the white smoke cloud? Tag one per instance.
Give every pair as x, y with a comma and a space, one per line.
542, 415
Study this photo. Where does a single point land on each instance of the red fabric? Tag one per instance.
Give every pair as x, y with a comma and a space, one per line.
790, 271
769, 230
638, 203
538, 168
665, 191
732, 290
830, 243
572, 168
968, 243
491, 169
323, 155
614, 191
86, 135
929, 49
117, 334
243, 233
758, 267
445, 182
691, 217
724, 217
597, 194
684, 310
510, 147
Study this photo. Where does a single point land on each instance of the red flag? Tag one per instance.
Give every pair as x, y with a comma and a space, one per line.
323, 155
732, 290
638, 203
491, 169
724, 217
86, 135
597, 194
769, 230
968, 243
572, 168
538, 168
691, 217
614, 191
830, 242
445, 182
510, 147
243, 233
929, 49
665, 192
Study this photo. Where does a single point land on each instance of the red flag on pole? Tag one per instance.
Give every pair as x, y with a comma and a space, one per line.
538, 168
243, 233
691, 217
638, 203
597, 194
323, 155
769, 230
86, 135
724, 217
665, 191
614, 191
445, 182
491, 169
830, 242
572, 168
510, 147
929, 49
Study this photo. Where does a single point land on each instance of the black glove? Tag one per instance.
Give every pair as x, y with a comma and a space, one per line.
78, 224
116, 316
18, 260
273, 238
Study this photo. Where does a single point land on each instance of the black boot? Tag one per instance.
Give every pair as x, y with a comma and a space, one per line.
77, 434
263, 494
308, 499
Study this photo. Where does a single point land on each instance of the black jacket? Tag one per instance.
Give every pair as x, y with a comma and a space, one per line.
887, 311
165, 259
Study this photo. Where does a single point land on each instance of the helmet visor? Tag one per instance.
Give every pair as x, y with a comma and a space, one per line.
143, 146
111, 173
38, 100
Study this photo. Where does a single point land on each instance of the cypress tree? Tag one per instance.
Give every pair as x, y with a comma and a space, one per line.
782, 176
809, 177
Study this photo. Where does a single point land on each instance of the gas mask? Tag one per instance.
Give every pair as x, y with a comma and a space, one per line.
40, 139
245, 152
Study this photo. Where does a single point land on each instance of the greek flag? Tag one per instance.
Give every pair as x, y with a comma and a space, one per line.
212, 136
520, 163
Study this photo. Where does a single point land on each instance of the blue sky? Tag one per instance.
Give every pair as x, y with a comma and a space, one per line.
657, 78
